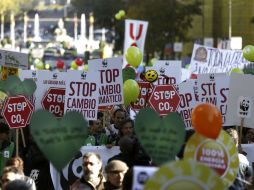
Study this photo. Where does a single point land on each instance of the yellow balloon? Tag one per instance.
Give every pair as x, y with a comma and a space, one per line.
130, 91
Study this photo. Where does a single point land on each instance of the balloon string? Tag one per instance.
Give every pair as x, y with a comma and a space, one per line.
17, 142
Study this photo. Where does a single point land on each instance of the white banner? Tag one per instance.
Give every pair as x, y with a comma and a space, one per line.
72, 171
212, 60
135, 35
82, 92
109, 72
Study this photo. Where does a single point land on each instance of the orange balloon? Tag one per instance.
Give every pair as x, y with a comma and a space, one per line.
207, 120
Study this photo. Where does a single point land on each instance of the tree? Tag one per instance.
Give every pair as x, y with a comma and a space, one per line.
169, 20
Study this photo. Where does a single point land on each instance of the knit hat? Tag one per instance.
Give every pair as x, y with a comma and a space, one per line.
116, 165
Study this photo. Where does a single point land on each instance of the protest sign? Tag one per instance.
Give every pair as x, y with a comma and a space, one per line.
13, 59
82, 92
187, 102
168, 72
240, 100
73, 170
135, 35
140, 175
47, 79
109, 72
212, 60
213, 88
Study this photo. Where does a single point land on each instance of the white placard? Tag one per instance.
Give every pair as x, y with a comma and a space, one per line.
213, 88
213, 60
13, 59
135, 35
188, 101
240, 86
110, 80
140, 175
249, 149
47, 79
82, 92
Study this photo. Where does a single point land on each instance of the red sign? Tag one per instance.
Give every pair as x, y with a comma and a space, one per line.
53, 101
17, 111
164, 99
146, 89
105, 108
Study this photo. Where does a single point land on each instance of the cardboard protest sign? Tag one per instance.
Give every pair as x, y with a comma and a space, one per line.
110, 80
185, 174
188, 101
47, 80
212, 60
240, 100
73, 170
13, 59
140, 176
58, 137
82, 92
135, 35
213, 88
162, 138
221, 154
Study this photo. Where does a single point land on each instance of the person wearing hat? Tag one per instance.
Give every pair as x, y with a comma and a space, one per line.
115, 171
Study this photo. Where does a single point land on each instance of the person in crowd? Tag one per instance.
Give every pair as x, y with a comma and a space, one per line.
18, 184
115, 171
249, 136
37, 165
128, 180
245, 171
131, 153
92, 178
126, 128
96, 137
6, 146
112, 130
11, 173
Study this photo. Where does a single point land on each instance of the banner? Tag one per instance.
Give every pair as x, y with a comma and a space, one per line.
212, 60
13, 59
135, 35
64, 179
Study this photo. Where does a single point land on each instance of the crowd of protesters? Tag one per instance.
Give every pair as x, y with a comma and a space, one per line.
29, 169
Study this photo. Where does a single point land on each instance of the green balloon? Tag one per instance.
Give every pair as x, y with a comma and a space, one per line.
39, 65
248, 53
86, 67
236, 70
74, 65
117, 16
130, 91
134, 56
121, 13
